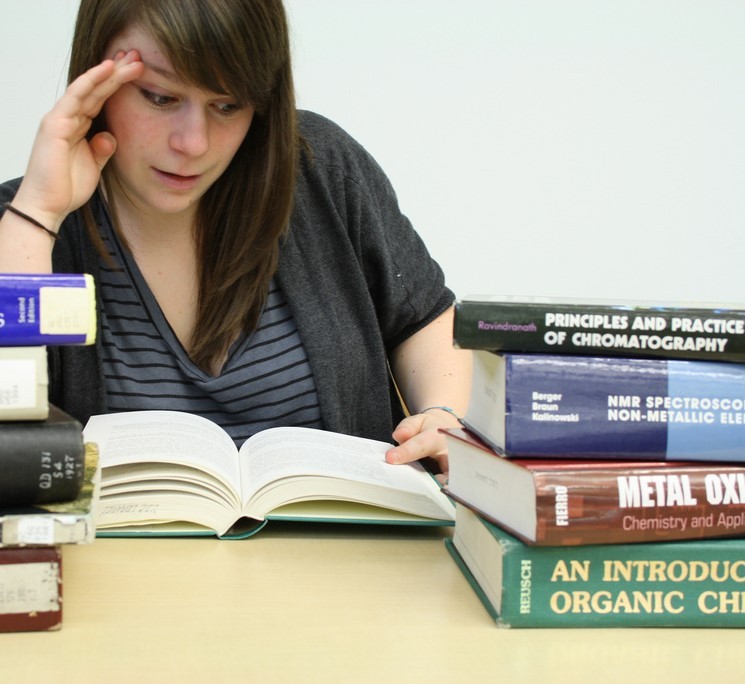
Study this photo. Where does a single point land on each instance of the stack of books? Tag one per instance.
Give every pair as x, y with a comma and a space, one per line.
48, 475
599, 479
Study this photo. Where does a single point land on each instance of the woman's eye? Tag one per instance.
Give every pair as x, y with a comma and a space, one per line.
227, 108
157, 99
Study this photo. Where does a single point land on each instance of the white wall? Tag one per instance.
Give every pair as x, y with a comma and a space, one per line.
34, 49
564, 147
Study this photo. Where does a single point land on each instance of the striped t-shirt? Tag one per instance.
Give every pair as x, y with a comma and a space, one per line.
265, 382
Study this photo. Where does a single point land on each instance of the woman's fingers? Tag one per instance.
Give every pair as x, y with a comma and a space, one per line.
64, 166
87, 94
102, 146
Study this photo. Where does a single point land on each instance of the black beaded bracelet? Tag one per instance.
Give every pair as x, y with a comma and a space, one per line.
9, 207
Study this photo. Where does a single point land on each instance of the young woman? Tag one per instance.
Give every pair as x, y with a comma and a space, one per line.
252, 264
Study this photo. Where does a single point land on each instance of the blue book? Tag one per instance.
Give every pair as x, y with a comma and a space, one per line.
47, 309
608, 407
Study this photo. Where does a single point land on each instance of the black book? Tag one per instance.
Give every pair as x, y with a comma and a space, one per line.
670, 330
41, 461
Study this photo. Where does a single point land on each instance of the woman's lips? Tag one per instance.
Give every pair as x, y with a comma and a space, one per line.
177, 181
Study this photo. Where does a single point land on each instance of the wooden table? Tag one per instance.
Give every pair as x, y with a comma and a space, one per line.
325, 603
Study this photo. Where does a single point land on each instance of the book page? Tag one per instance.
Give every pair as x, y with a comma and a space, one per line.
165, 437
153, 476
289, 452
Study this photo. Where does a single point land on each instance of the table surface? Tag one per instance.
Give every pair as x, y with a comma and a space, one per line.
323, 603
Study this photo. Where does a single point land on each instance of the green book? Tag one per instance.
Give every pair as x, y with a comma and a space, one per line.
670, 584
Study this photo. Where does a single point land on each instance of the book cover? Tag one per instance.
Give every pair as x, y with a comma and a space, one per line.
30, 589
47, 309
608, 407
566, 502
714, 332
24, 383
671, 584
41, 461
67, 522
172, 473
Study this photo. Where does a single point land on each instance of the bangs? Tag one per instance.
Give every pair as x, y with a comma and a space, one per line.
216, 48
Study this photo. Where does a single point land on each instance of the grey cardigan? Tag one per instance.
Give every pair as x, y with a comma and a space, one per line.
358, 278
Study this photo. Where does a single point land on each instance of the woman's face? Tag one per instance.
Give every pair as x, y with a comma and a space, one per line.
174, 140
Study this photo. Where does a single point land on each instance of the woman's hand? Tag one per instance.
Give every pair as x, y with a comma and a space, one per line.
65, 167
429, 372
419, 437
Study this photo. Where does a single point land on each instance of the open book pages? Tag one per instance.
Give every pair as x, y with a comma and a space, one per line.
172, 467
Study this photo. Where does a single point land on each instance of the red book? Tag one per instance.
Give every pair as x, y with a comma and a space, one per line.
30, 589
567, 502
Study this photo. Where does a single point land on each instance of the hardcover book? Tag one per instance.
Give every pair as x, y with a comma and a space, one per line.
67, 522
30, 589
41, 461
605, 407
714, 332
47, 309
168, 472
567, 502
671, 584
24, 383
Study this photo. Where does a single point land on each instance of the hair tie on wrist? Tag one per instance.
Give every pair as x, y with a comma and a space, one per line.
30, 219
447, 409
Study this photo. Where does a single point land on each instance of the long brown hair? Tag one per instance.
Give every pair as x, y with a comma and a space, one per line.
241, 47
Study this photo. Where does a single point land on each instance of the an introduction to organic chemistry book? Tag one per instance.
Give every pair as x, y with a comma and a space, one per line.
671, 584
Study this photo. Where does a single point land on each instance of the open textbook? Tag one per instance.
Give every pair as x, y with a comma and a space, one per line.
168, 472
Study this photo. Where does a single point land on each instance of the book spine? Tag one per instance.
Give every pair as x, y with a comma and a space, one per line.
65, 522
31, 526
602, 407
682, 584
617, 507
41, 462
715, 335
30, 589
686, 584
47, 309
24, 383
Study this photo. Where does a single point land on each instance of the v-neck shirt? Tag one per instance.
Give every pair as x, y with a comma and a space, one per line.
265, 381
